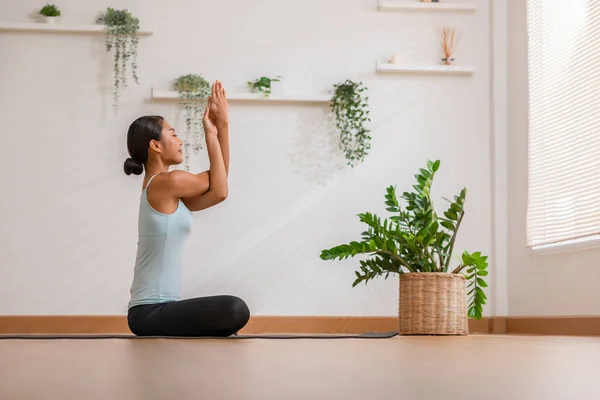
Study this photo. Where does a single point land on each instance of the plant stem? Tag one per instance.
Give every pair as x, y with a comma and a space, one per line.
398, 258
458, 269
452, 242
431, 258
442, 266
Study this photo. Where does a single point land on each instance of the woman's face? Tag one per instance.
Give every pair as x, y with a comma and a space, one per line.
172, 151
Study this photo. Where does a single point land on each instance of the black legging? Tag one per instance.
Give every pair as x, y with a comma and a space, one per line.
222, 315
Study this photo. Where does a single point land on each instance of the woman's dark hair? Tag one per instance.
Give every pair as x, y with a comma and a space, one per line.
139, 135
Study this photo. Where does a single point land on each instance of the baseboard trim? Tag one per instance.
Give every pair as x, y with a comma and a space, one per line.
559, 325
107, 324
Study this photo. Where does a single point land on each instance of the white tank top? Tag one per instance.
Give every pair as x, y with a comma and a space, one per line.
162, 239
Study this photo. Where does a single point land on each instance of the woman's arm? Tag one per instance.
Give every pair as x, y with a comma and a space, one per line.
223, 130
218, 187
219, 114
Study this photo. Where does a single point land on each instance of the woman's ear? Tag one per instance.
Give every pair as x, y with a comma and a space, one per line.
155, 146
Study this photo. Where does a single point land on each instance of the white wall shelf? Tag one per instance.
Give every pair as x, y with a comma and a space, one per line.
386, 5
254, 97
58, 28
426, 69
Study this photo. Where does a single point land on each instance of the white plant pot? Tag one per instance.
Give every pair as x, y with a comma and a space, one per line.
395, 59
277, 88
50, 20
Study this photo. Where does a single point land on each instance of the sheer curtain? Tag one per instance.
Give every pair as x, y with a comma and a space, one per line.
564, 121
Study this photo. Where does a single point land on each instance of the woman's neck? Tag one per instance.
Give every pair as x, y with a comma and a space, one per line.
156, 167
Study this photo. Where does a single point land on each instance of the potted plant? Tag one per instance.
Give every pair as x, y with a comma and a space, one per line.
121, 36
265, 85
417, 244
50, 12
350, 107
193, 91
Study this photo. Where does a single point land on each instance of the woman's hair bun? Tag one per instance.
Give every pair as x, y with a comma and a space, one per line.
132, 166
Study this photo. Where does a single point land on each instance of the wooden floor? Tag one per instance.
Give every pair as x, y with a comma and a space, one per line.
473, 367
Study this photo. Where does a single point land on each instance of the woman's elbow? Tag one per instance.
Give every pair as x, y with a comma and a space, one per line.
221, 195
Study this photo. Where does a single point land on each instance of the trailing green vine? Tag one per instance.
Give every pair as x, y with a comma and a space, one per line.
193, 93
351, 109
121, 35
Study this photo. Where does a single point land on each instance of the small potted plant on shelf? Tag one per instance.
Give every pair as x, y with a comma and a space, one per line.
267, 85
417, 244
50, 12
121, 36
193, 91
350, 106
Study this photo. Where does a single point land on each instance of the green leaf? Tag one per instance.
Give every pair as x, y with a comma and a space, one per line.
448, 225
474, 313
466, 258
480, 292
392, 246
481, 282
451, 215
378, 242
356, 246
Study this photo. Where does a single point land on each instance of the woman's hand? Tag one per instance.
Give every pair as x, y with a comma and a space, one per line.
210, 129
219, 108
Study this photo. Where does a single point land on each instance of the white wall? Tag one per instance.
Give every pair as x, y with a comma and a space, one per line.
562, 283
69, 213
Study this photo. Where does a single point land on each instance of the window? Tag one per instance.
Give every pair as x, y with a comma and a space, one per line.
564, 121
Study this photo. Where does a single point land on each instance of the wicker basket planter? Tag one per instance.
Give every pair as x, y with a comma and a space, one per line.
433, 303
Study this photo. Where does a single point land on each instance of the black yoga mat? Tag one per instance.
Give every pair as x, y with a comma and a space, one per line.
368, 335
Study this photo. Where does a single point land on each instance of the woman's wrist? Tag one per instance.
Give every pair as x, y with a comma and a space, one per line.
222, 124
211, 134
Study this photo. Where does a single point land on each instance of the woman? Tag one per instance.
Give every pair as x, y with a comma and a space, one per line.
167, 200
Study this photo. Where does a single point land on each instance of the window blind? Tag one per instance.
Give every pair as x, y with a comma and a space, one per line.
564, 120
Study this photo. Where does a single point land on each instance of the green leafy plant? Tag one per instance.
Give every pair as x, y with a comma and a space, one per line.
193, 90
50, 10
416, 240
350, 106
263, 84
121, 35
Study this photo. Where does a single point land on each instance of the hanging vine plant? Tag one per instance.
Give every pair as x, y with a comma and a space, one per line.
193, 93
121, 35
351, 109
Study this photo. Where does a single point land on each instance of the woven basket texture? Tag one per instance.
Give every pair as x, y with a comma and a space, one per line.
433, 304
